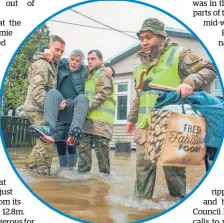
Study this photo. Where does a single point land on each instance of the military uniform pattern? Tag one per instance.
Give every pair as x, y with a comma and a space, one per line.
99, 128
40, 159
42, 76
146, 172
102, 149
20, 112
195, 71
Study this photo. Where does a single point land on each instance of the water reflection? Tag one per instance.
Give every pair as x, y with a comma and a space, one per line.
97, 197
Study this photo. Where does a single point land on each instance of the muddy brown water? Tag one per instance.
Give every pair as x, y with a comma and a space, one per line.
101, 198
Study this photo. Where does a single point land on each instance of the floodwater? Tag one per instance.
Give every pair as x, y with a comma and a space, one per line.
101, 198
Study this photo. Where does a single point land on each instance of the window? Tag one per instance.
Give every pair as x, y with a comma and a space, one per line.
219, 94
122, 87
122, 102
217, 85
216, 88
122, 92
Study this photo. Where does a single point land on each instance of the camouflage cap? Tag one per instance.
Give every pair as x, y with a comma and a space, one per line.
153, 25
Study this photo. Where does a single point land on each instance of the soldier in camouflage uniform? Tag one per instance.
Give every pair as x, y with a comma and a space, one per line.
98, 127
42, 76
188, 73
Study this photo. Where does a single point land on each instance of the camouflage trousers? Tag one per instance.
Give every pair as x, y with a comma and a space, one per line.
41, 156
102, 149
146, 172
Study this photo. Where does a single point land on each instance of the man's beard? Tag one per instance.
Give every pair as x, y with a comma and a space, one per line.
74, 69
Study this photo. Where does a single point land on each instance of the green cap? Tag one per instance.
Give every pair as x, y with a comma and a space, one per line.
153, 25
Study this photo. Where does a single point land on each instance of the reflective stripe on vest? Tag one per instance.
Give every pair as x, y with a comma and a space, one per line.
144, 110
106, 111
165, 72
140, 93
89, 93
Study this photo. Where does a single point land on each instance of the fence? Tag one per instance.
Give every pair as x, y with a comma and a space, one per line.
15, 134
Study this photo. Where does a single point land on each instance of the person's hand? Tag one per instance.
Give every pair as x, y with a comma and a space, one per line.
48, 55
62, 105
130, 128
108, 72
184, 90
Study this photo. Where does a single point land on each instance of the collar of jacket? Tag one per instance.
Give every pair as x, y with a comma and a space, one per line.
64, 63
64, 71
96, 68
40, 56
55, 63
152, 59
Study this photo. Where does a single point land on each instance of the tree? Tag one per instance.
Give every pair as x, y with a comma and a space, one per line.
15, 89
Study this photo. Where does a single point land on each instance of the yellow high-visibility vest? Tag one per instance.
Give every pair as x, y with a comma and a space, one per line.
106, 111
165, 72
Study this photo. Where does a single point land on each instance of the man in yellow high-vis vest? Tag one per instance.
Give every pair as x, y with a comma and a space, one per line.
169, 65
98, 127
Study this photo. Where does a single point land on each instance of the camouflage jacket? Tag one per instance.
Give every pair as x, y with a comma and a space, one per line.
192, 69
42, 76
94, 127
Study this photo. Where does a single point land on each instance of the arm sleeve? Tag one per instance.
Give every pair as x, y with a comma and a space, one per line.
133, 114
113, 74
39, 79
195, 71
